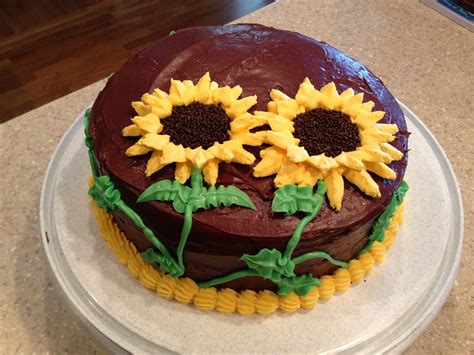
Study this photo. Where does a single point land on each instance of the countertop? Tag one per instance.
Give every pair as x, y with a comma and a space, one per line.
425, 59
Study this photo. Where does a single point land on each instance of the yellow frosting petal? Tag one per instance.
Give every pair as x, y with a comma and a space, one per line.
288, 109
335, 188
270, 164
137, 149
272, 107
278, 123
363, 181
132, 131
246, 122
241, 156
387, 128
163, 108
181, 92
203, 93
307, 96
368, 106
154, 141
381, 170
149, 123
239, 107
289, 173
310, 176
198, 156
389, 149
173, 154
373, 136
247, 138
351, 105
373, 155
222, 152
366, 119
226, 95
211, 171
280, 139
183, 171
323, 163
141, 108
349, 161
296, 154
346, 95
277, 95
154, 163
330, 98
160, 94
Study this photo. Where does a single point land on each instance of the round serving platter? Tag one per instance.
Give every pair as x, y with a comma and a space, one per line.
385, 313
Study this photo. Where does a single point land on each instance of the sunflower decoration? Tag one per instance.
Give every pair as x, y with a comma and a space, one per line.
324, 135
194, 125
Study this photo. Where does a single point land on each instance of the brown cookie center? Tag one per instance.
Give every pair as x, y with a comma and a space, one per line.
197, 125
326, 131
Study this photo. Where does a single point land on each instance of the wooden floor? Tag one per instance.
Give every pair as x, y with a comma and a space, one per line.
49, 48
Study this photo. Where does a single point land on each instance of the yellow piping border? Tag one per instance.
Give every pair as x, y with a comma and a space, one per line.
185, 290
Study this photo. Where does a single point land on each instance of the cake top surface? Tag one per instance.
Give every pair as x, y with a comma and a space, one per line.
258, 59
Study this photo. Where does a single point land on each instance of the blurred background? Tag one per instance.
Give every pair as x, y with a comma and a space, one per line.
49, 48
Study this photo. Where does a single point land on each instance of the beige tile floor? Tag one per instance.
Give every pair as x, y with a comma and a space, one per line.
426, 60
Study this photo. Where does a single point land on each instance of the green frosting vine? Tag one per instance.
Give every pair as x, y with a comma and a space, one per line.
278, 267
109, 198
383, 221
188, 200
88, 142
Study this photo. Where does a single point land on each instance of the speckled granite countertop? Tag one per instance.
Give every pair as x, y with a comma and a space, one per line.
427, 62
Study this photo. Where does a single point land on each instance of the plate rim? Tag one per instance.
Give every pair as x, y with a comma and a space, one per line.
100, 328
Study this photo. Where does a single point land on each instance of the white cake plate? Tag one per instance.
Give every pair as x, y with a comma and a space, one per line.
384, 314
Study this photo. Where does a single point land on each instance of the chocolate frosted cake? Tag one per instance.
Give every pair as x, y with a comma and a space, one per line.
244, 163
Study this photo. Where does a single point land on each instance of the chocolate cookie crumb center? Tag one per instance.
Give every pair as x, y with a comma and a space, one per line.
197, 125
326, 131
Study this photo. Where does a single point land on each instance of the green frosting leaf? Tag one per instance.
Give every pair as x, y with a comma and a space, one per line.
167, 190
270, 264
290, 199
104, 193
166, 264
301, 284
226, 196
198, 196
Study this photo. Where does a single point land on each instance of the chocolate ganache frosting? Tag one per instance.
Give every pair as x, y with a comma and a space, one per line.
259, 59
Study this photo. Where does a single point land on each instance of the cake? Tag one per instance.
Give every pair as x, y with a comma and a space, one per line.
241, 164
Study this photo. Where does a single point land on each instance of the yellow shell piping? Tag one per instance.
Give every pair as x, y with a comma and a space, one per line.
185, 290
